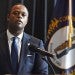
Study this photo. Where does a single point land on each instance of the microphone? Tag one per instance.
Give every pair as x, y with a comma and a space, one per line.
35, 49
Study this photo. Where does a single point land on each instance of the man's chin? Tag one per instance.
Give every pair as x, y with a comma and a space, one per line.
19, 26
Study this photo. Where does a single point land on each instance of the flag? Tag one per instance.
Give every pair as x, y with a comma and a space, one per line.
60, 38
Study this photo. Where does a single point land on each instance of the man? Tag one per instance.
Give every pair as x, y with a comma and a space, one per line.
28, 61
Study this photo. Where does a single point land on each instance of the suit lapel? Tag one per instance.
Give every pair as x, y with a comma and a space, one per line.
24, 50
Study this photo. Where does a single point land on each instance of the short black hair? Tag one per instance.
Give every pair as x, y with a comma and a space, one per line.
10, 8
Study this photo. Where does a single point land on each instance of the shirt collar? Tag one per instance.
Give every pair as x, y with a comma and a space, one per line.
11, 35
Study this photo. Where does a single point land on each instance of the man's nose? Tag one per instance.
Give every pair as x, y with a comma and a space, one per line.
19, 15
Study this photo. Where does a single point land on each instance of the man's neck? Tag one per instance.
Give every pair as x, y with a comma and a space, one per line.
16, 33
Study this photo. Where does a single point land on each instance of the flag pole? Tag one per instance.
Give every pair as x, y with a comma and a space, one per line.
70, 24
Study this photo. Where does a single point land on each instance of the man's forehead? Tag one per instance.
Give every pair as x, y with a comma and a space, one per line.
18, 7
21, 8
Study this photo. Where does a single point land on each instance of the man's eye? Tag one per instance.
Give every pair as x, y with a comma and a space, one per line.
23, 14
15, 13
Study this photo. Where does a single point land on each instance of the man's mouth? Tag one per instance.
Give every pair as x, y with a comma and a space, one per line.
19, 21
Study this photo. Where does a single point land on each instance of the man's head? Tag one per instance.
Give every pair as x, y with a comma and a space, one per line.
17, 18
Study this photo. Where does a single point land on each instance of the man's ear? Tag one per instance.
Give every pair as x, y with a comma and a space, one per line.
27, 19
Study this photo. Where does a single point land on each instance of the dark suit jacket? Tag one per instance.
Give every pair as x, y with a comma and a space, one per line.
30, 62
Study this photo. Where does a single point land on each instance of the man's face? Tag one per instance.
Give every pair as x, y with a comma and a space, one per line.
18, 17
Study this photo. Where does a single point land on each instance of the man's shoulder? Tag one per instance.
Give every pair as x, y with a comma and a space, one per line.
32, 37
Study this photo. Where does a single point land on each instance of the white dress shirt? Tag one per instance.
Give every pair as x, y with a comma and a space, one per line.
19, 41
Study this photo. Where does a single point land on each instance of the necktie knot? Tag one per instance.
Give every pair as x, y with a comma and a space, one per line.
14, 39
